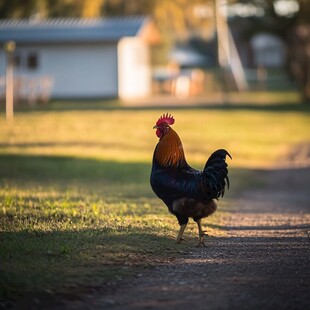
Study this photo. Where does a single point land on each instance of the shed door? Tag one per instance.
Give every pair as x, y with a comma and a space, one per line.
133, 69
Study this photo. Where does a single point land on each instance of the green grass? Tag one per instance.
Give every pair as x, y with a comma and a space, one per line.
76, 207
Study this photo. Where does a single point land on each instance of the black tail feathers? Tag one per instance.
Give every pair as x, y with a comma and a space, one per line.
216, 172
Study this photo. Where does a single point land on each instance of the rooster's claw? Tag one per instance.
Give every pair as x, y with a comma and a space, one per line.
201, 241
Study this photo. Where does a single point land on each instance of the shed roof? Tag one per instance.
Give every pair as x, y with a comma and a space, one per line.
58, 30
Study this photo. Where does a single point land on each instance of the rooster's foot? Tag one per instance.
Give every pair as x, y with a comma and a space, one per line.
181, 239
201, 241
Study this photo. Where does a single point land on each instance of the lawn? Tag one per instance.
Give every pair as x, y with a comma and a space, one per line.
76, 207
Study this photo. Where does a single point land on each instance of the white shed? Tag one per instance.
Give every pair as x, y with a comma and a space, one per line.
82, 58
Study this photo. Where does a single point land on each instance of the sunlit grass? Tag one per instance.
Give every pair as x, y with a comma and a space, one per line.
253, 138
75, 195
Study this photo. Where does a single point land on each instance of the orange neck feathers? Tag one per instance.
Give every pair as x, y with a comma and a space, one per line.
169, 151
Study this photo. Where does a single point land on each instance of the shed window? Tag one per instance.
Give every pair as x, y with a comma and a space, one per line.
32, 61
26, 60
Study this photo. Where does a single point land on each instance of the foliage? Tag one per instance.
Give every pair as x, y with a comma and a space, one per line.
50, 8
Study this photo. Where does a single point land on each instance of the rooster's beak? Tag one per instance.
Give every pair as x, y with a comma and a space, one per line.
155, 127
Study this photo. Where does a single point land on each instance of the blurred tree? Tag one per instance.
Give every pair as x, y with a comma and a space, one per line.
299, 49
73, 8
177, 15
123, 7
50, 8
290, 20
92, 8
17, 8
181, 19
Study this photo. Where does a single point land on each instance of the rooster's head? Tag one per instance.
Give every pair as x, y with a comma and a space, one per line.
162, 125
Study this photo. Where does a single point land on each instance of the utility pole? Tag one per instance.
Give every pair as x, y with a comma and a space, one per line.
222, 45
222, 33
9, 83
228, 56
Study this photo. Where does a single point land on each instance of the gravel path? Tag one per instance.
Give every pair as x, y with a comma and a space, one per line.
263, 262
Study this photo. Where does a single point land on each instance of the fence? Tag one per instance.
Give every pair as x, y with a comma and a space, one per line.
29, 90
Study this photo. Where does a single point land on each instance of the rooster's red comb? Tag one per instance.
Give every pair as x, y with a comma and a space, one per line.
165, 118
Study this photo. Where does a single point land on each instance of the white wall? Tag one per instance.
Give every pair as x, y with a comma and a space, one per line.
2, 62
133, 69
78, 71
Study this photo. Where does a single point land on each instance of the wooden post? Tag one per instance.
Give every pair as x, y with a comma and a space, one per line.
222, 47
228, 55
9, 83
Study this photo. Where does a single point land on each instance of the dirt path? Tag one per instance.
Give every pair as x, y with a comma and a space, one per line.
262, 263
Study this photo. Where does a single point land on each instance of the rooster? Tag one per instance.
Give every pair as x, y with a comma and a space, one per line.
187, 192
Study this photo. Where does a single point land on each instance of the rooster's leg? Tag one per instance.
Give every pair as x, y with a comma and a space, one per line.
180, 235
201, 234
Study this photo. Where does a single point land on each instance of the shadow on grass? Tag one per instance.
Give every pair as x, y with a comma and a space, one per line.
107, 106
69, 260
76, 261
64, 168
61, 170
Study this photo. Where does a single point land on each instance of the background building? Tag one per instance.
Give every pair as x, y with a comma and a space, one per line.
80, 57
